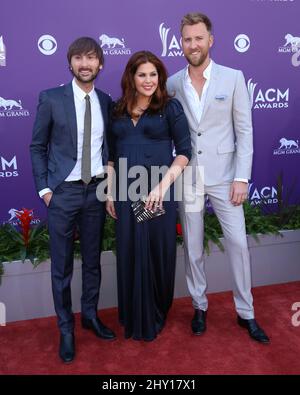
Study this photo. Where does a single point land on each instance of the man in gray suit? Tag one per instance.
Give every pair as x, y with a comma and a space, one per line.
216, 103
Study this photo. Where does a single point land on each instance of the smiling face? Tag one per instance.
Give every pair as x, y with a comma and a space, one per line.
146, 79
196, 42
85, 67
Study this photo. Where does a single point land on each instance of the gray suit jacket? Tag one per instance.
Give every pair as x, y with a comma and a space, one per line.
222, 141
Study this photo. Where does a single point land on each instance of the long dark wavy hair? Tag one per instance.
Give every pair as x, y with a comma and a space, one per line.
128, 99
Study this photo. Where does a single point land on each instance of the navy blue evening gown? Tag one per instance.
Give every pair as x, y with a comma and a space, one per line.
146, 252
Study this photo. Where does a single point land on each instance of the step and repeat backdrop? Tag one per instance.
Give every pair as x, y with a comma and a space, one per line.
260, 37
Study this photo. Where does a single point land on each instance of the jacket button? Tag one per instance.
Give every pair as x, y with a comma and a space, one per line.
199, 152
199, 134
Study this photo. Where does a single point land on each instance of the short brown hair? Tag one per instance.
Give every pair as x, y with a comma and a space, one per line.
128, 99
84, 45
196, 17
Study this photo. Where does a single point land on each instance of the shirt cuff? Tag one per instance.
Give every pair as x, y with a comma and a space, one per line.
44, 191
241, 179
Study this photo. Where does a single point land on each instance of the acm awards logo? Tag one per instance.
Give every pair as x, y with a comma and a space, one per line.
113, 45
171, 46
287, 147
2, 52
8, 168
265, 194
12, 108
272, 98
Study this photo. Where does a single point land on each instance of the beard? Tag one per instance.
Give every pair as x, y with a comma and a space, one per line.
197, 61
83, 79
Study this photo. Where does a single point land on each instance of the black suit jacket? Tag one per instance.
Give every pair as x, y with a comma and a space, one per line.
54, 140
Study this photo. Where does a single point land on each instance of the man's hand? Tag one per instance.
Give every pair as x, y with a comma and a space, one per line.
238, 192
47, 197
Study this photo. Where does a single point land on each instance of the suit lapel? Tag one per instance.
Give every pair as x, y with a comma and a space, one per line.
69, 105
105, 114
211, 92
103, 108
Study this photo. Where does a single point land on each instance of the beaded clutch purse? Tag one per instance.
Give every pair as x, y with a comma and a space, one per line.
142, 214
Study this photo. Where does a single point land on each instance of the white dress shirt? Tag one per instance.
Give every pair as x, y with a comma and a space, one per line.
196, 102
96, 134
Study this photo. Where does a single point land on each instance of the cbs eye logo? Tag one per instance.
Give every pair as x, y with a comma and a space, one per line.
242, 43
47, 44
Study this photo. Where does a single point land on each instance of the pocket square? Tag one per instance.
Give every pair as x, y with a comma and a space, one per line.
220, 97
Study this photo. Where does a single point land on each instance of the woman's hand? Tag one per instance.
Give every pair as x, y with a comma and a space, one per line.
155, 198
110, 207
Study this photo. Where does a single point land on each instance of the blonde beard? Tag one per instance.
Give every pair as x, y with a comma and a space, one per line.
200, 61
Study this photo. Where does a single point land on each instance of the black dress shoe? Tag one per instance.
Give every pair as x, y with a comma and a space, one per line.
199, 322
67, 347
98, 328
254, 330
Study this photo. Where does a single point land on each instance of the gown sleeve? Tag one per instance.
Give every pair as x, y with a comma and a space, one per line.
111, 138
179, 128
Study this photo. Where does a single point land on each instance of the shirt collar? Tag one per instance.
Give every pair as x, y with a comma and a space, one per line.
79, 93
206, 72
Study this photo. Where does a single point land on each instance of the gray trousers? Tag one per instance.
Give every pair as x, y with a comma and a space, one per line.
232, 222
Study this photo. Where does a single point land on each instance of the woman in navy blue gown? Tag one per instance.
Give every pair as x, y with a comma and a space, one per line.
146, 123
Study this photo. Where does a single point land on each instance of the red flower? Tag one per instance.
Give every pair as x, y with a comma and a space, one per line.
25, 217
179, 229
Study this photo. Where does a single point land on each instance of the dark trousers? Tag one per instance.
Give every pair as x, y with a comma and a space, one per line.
75, 204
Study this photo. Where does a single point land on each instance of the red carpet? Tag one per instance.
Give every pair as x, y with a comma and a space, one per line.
30, 347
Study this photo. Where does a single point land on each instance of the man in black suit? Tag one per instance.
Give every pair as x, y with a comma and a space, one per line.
68, 153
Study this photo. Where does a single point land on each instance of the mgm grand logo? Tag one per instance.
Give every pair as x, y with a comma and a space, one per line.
287, 147
292, 44
13, 217
12, 108
113, 45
